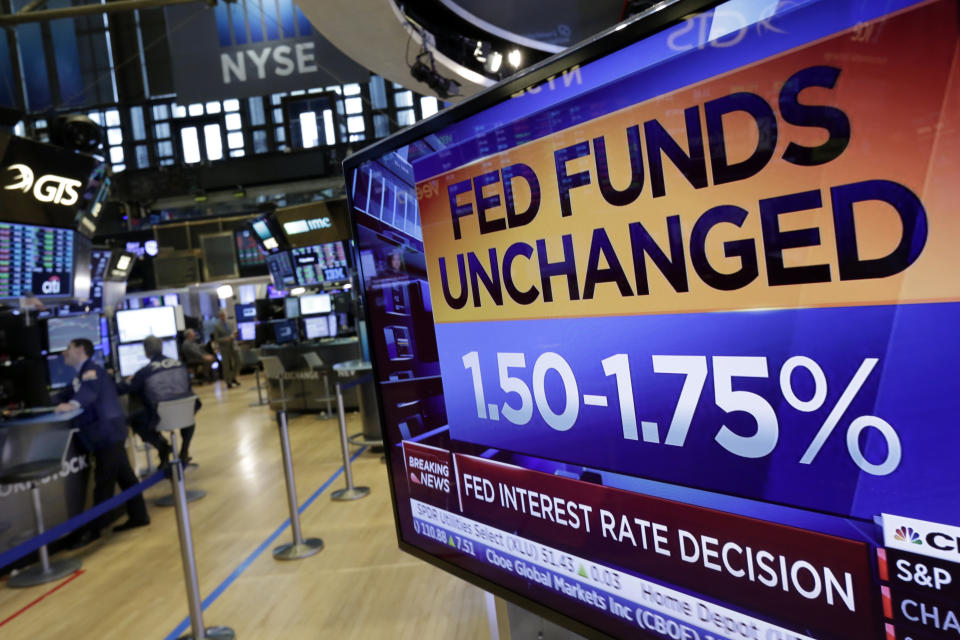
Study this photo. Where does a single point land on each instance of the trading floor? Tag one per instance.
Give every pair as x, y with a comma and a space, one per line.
361, 586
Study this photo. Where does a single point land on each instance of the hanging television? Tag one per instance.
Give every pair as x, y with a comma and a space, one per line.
664, 340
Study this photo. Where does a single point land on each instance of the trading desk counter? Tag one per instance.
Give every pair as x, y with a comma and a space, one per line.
305, 388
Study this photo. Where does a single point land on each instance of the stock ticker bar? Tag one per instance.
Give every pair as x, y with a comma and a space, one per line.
36, 260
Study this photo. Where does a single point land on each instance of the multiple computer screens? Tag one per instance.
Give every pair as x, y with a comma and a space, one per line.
135, 325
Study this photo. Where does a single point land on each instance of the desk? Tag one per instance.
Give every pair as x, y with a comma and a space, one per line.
303, 387
62, 496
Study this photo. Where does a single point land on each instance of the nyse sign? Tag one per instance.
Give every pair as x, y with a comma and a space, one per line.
244, 49
268, 61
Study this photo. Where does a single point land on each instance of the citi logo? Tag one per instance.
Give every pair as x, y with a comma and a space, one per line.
51, 285
49, 188
907, 534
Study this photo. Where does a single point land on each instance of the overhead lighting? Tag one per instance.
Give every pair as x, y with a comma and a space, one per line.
494, 61
515, 58
424, 70
224, 292
297, 291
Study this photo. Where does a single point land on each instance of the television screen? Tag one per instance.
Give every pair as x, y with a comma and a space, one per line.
316, 303
244, 312
312, 262
684, 365
134, 325
249, 253
285, 331
267, 234
37, 260
62, 329
316, 327
131, 357
281, 270
60, 375
247, 330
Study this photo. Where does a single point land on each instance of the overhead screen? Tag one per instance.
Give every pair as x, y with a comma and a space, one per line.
135, 325
37, 260
665, 332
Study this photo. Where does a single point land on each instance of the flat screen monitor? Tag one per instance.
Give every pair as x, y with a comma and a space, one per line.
314, 304
131, 357
171, 300
249, 253
316, 327
291, 307
285, 331
37, 260
663, 332
134, 325
281, 270
60, 375
62, 329
312, 263
247, 330
245, 312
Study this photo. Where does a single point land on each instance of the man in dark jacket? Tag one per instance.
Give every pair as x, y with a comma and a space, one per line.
161, 379
103, 430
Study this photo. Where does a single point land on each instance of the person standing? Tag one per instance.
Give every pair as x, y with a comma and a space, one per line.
103, 430
161, 379
225, 335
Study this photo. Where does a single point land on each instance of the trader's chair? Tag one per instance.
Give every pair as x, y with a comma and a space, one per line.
47, 455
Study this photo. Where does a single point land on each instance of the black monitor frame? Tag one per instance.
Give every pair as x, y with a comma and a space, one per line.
641, 26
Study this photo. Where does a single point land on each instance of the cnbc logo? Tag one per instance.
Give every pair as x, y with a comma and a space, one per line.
930, 539
907, 534
263, 39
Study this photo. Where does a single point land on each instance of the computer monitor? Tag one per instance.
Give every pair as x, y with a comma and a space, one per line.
171, 299
131, 357
60, 375
245, 312
62, 329
314, 304
36, 260
316, 327
291, 307
134, 325
247, 330
285, 331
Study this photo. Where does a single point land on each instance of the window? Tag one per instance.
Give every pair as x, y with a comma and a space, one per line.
213, 141
191, 145
429, 106
233, 121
